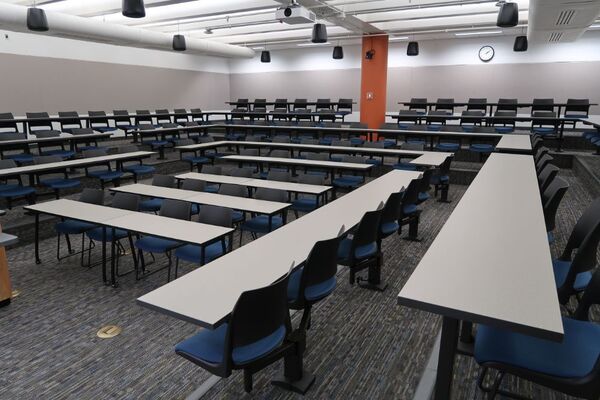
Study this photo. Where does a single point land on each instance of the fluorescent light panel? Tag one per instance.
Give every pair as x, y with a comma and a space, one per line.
477, 33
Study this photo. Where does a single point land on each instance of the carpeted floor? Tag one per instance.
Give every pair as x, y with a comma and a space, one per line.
361, 345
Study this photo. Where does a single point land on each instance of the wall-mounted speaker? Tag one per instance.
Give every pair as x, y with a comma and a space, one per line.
508, 16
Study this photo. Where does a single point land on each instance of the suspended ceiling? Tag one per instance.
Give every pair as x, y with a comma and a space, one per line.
252, 23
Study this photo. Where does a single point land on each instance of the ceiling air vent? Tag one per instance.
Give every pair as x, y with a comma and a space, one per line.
565, 17
555, 37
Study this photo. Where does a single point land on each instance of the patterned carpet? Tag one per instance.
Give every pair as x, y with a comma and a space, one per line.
361, 344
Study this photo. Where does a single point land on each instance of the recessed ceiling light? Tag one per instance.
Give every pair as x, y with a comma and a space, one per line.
312, 44
478, 33
395, 38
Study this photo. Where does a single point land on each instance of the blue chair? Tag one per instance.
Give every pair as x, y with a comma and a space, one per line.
451, 146
194, 185
53, 180
406, 165
200, 255
482, 149
135, 167
362, 251
573, 273
194, 159
306, 203
104, 173
88, 143
151, 244
68, 227
122, 121
544, 127
154, 141
571, 367
317, 171
253, 337
10, 131
227, 189
12, 191
410, 212
551, 200
349, 182
213, 154
375, 145
471, 118
577, 108
154, 204
212, 170
441, 180
392, 212
123, 201
69, 120
99, 122
56, 149
339, 143
424, 186
263, 224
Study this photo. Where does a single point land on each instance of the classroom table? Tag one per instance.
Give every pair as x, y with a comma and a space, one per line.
186, 232
5, 284
515, 144
430, 104
72, 140
490, 263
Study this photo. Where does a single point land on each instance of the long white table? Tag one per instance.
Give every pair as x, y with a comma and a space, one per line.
490, 263
197, 298
515, 144
114, 218
213, 199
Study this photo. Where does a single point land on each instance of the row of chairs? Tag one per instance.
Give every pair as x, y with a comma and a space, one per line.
575, 108
260, 331
281, 105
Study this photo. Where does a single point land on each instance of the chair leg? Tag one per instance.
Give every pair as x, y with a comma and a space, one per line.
176, 266
70, 250
247, 381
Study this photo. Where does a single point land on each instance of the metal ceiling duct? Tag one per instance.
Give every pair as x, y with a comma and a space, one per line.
14, 18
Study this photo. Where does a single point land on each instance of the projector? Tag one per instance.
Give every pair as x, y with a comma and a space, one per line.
295, 14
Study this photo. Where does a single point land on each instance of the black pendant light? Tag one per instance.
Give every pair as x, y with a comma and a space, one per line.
265, 56
134, 8
179, 43
319, 33
36, 20
338, 53
508, 16
412, 49
521, 43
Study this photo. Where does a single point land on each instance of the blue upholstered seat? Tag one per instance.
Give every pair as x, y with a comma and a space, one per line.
544, 131
106, 175
152, 244
424, 196
211, 188
60, 183
389, 227
197, 160
416, 141
21, 158
504, 129
18, 191
434, 128
305, 204
73, 227
437, 179
387, 143
10, 186
360, 252
550, 237
348, 181
409, 209
561, 270
138, 169
445, 146
374, 161
468, 128
575, 115
481, 148
209, 346
193, 254
104, 129
357, 141
260, 224
575, 357
151, 205
405, 166
311, 293
96, 234
61, 153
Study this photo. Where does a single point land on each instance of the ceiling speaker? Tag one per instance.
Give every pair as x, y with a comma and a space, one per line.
134, 8
412, 49
179, 43
338, 52
319, 33
36, 20
508, 16
521, 43
265, 56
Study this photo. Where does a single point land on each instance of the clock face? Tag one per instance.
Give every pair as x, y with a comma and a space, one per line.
486, 53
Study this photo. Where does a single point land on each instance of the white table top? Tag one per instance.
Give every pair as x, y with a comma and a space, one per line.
257, 183
431, 159
80, 162
491, 261
300, 162
213, 199
78, 210
207, 295
519, 143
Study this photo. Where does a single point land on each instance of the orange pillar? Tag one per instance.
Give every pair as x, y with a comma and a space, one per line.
373, 88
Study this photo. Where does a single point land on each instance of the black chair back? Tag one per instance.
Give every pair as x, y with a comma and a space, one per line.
249, 152
551, 200
72, 119
578, 107
163, 181
233, 190
300, 104
412, 146
176, 209
143, 117
280, 176
590, 297
280, 104
94, 153
8, 126
180, 115
418, 104
42, 123
7, 163
92, 196
542, 105
542, 162
193, 184
47, 159
477, 104
162, 117
345, 105
321, 264
392, 211
126, 201
323, 104
211, 169
507, 105
121, 116
585, 224
311, 179
546, 176
445, 105
214, 215
586, 257
242, 104
472, 117
276, 195
425, 180
367, 231
411, 194
241, 172
197, 114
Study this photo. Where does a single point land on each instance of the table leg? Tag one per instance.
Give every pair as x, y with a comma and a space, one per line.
104, 255
113, 258
445, 371
560, 136
37, 239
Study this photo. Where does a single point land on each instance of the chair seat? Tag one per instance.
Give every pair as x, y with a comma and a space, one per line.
550, 237
60, 153
405, 166
387, 228
561, 270
152, 244
96, 234
360, 253
356, 141
348, 181
468, 128
20, 158
197, 160
305, 204
126, 127
574, 357
439, 180
60, 183
104, 129
374, 161
106, 175
575, 115
312, 292
193, 254
504, 129
208, 346
416, 141
139, 169
482, 148
544, 131
434, 128
326, 141
423, 196
387, 143
211, 188
448, 146
73, 227
151, 205
409, 209
17, 191
260, 224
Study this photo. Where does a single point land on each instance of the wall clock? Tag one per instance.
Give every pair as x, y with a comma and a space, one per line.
486, 53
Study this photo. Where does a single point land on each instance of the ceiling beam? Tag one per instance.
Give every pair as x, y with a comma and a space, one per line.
335, 16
